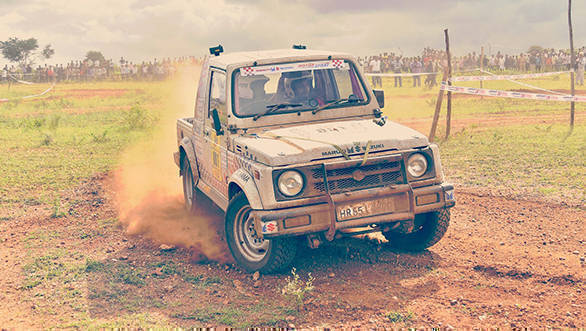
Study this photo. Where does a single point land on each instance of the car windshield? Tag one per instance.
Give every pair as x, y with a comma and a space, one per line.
308, 85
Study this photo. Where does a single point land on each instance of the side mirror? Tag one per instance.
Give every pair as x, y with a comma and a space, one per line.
380, 97
217, 123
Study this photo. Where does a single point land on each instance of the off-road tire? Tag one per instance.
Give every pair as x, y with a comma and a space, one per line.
432, 229
279, 253
188, 186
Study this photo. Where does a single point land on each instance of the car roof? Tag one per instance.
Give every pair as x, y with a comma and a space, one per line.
268, 56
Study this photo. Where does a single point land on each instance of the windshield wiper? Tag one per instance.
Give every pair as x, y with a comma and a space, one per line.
335, 102
275, 107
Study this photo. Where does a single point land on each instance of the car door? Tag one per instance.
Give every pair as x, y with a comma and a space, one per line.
215, 142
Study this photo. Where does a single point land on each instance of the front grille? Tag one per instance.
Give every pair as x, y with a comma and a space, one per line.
341, 179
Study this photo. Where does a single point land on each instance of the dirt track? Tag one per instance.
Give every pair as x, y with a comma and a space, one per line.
502, 263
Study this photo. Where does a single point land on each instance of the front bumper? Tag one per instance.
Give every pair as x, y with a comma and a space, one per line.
354, 209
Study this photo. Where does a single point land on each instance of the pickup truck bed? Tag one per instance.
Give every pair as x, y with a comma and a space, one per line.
184, 127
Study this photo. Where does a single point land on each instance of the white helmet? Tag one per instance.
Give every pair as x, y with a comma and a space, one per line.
291, 77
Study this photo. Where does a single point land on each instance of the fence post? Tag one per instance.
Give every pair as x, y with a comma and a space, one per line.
449, 113
481, 63
572, 65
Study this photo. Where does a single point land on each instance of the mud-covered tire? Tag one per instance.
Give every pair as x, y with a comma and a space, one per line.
278, 252
433, 227
189, 186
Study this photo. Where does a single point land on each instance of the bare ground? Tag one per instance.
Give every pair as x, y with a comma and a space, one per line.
507, 263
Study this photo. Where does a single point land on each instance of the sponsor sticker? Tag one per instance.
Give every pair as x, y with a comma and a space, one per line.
450, 195
269, 227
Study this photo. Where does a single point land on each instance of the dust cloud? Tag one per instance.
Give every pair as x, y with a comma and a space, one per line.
149, 190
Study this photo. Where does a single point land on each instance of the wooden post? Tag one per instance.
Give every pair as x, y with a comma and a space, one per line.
438, 106
481, 62
572, 65
449, 113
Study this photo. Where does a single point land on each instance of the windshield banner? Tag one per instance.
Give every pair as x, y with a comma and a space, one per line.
297, 66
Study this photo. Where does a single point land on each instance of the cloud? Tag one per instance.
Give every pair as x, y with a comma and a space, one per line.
144, 29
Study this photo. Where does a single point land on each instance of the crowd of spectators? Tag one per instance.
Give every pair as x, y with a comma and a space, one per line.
432, 61
88, 70
428, 64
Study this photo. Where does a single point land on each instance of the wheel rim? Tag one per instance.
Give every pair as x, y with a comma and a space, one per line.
250, 245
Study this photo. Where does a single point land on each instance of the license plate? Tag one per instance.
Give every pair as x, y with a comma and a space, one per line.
364, 209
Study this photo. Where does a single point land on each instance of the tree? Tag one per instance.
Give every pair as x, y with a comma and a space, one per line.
535, 49
23, 51
95, 56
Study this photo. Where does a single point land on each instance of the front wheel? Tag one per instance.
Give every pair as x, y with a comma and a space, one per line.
430, 228
248, 249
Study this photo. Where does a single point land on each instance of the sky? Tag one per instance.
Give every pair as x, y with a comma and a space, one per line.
145, 29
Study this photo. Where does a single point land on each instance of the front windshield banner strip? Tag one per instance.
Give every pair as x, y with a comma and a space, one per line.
296, 66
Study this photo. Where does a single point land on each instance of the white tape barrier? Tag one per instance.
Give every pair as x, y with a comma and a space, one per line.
29, 96
525, 84
20, 81
411, 74
505, 77
511, 94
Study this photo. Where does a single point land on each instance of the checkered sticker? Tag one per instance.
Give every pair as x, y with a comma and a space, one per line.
247, 71
269, 227
337, 64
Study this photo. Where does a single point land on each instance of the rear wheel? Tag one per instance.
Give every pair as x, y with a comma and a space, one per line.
189, 189
248, 249
429, 229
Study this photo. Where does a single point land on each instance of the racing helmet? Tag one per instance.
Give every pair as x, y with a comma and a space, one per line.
290, 78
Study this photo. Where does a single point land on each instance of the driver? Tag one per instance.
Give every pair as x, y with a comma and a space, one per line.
301, 89
297, 86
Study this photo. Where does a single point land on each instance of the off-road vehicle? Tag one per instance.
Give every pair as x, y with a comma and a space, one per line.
293, 146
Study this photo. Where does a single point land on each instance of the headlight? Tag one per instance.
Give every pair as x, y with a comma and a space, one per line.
290, 183
416, 165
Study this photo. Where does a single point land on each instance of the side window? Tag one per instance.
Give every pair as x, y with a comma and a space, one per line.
218, 95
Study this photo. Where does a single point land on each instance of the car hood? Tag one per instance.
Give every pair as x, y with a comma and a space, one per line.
309, 142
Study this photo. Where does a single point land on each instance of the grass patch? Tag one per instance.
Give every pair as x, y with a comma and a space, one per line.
168, 268
257, 315
92, 265
399, 317
58, 267
538, 159
47, 145
136, 321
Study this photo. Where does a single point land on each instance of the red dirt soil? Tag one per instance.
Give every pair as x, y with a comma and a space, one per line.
504, 263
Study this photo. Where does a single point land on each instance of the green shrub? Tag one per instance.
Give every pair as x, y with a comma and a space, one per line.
296, 289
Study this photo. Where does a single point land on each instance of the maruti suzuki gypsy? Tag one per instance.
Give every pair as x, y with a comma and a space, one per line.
292, 144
